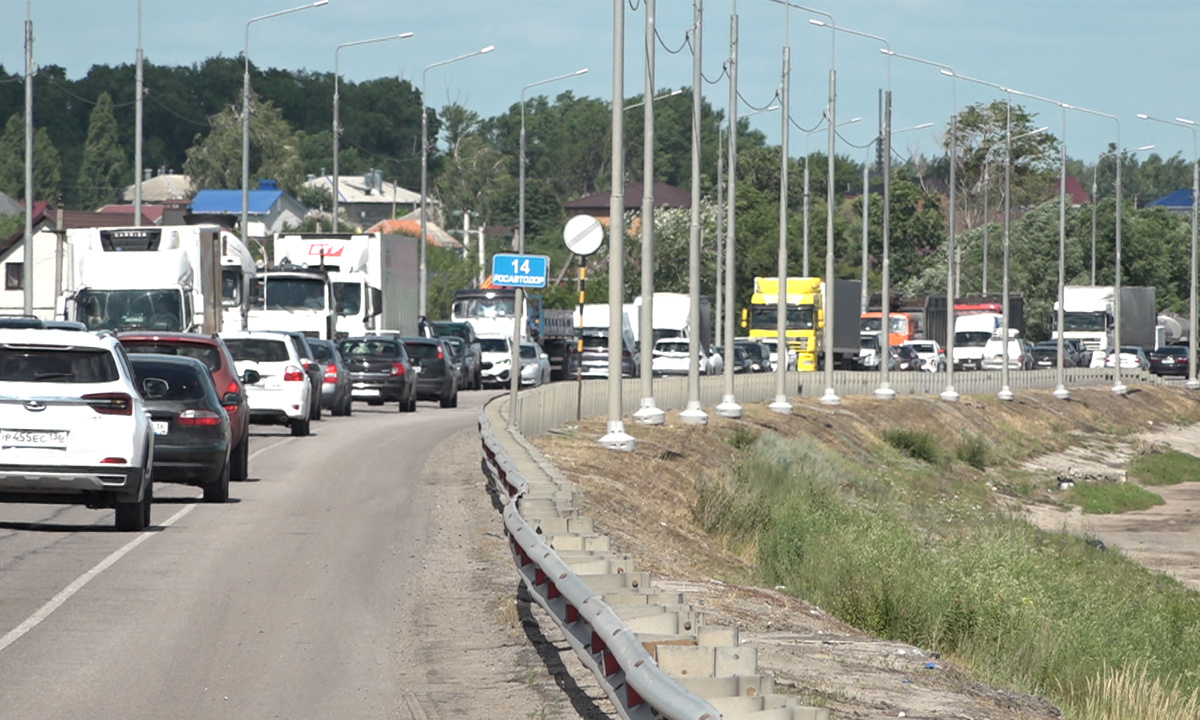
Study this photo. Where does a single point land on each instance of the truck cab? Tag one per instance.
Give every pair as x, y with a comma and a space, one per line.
288, 297
805, 316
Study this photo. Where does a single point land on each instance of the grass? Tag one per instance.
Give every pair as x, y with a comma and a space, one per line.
1164, 467
915, 444
1109, 498
1043, 613
974, 450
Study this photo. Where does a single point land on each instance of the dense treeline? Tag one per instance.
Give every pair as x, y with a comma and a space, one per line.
84, 143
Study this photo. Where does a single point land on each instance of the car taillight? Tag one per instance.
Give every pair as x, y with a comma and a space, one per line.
293, 374
199, 418
310, 366
331, 375
110, 403
397, 368
440, 355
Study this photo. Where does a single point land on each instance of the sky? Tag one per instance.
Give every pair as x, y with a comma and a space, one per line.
1117, 57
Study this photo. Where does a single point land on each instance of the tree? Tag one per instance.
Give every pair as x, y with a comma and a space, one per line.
47, 169
105, 172
215, 161
473, 178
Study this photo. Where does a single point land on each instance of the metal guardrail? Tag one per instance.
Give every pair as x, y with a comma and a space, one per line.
631, 678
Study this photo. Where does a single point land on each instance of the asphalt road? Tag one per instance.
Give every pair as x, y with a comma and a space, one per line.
343, 581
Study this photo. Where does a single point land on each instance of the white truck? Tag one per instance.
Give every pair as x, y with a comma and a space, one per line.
123, 258
671, 317
593, 322
374, 277
972, 330
1089, 316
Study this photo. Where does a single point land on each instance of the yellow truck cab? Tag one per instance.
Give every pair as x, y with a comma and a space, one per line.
805, 316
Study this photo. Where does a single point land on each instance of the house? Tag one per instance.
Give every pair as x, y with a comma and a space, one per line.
9, 206
162, 187
410, 225
153, 213
366, 199
270, 209
51, 262
1179, 201
665, 196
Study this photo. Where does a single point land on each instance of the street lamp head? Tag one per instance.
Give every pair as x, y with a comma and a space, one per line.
1185, 121
402, 36
818, 23
487, 49
1143, 116
582, 71
1144, 148
319, 3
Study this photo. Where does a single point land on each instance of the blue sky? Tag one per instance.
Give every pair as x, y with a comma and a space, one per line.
1116, 57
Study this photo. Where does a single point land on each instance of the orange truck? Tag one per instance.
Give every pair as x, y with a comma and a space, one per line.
903, 326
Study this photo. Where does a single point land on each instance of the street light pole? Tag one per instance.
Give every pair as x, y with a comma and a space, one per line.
139, 92
337, 127
728, 407
246, 114
1192, 382
693, 414
648, 413
423, 279
519, 295
781, 404
615, 437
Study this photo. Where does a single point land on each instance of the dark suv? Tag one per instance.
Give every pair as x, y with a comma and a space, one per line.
212, 351
473, 358
435, 376
380, 371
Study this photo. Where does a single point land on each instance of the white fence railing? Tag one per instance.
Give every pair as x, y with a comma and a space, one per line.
550, 406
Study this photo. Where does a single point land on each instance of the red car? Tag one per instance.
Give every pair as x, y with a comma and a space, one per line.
210, 350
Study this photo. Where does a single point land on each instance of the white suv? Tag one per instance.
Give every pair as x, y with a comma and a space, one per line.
277, 387
73, 428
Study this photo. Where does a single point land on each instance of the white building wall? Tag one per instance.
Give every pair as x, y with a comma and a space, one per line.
45, 249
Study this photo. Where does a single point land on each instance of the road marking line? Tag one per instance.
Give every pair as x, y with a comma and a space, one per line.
65, 594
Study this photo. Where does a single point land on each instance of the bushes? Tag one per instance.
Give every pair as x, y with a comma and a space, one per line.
917, 445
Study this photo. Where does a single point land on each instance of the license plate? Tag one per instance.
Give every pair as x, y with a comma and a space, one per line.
161, 427
34, 438
365, 392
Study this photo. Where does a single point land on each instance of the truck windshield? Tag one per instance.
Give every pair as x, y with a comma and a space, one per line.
231, 287
348, 296
899, 324
288, 293
972, 338
131, 310
765, 317
484, 307
1091, 322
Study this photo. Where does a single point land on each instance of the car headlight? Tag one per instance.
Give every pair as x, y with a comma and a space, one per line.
502, 363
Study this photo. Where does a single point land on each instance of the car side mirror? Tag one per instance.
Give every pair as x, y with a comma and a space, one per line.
251, 377
155, 388
231, 399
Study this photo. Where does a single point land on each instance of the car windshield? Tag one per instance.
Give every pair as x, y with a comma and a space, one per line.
348, 296
674, 346
453, 329
766, 317
972, 339
493, 345
321, 352
258, 349
923, 348
207, 354
425, 351
288, 293
60, 365
1091, 322
529, 352
485, 307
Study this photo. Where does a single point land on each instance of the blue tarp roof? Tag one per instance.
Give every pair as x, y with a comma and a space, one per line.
1177, 199
214, 202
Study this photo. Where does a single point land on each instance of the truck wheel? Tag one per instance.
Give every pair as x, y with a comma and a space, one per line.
217, 491
299, 427
241, 460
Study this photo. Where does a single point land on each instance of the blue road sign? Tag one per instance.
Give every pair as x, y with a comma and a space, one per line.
527, 271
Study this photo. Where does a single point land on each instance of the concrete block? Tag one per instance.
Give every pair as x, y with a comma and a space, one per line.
685, 661
716, 635
729, 686
736, 660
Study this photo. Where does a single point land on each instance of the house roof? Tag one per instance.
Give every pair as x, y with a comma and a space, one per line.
357, 189
153, 213
213, 202
9, 205
664, 196
1177, 199
1076, 193
411, 225
161, 188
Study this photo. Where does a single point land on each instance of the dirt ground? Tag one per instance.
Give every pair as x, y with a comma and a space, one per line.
643, 501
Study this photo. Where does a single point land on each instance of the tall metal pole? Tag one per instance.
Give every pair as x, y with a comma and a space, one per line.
648, 413
27, 265
830, 397
138, 91
728, 407
616, 438
1060, 391
781, 404
987, 221
337, 126
1005, 392
246, 113
693, 414
423, 278
1094, 170
719, 292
